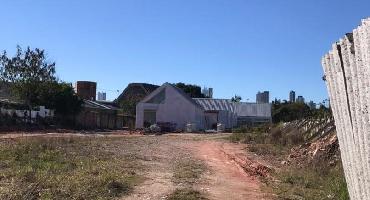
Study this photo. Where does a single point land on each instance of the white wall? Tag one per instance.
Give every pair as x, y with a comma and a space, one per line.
347, 72
42, 112
175, 109
253, 109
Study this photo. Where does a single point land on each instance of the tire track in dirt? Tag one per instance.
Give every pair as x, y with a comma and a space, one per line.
227, 179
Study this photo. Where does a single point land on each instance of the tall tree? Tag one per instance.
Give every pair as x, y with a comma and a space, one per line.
27, 72
194, 91
61, 97
287, 112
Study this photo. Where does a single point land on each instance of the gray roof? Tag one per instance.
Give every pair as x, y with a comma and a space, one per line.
98, 105
241, 109
136, 90
216, 104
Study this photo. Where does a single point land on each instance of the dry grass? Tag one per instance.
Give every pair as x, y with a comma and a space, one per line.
310, 183
186, 173
318, 181
268, 150
186, 194
64, 168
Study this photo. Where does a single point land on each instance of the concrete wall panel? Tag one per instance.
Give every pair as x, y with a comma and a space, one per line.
347, 72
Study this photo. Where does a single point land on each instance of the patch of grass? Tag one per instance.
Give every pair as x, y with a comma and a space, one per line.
311, 183
64, 168
249, 138
238, 137
186, 194
268, 149
188, 171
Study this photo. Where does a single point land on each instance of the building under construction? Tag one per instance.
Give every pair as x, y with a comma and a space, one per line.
170, 105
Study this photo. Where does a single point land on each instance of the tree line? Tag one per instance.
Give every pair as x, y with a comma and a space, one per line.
287, 111
32, 80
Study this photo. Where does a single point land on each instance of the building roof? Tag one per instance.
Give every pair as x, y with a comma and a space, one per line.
241, 109
180, 91
136, 91
98, 105
215, 104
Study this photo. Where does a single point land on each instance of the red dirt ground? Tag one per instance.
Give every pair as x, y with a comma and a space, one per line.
232, 173
228, 179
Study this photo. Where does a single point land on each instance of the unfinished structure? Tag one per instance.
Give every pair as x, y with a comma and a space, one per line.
347, 72
170, 105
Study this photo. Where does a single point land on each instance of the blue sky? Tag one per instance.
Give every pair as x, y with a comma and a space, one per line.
235, 46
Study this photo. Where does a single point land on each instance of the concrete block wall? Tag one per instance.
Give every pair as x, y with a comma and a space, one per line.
347, 73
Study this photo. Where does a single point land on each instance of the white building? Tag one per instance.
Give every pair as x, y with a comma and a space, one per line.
263, 97
300, 99
292, 96
102, 96
169, 104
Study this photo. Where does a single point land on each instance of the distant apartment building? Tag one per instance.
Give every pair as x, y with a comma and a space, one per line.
292, 96
207, 92
263, 97
300, 99
102, 96
312, 105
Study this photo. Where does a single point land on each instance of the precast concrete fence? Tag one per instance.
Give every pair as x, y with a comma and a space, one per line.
347, 75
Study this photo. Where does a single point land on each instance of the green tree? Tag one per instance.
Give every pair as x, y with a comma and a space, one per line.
25, 72
286, 112
194, 91
236, 98
61, 97
32, 79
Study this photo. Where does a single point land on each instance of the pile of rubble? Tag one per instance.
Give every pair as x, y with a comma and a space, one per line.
325, 149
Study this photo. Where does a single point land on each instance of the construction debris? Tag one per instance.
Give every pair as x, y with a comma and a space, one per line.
325, 149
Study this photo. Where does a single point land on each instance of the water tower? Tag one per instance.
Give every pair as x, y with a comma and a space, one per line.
86, 90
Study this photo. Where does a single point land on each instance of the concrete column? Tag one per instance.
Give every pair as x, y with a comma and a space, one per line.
350, 68
347, 71
327, 65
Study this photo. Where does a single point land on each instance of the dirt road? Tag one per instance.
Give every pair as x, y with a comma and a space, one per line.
228, 180
230, 173
226, 177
